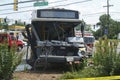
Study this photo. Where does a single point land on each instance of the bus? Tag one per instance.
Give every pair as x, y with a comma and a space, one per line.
49, 34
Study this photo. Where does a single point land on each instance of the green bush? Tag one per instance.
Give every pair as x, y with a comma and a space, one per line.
74, 70
70, 75
76, 67
106, 61
92, 71
9, 60
106, 56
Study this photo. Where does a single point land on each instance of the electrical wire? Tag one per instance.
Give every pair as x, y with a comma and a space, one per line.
49, 7
115, 12
32, 6
93, 14
16, 12
73, 3
18, 2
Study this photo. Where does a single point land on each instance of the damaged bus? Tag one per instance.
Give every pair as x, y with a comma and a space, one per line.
49, 37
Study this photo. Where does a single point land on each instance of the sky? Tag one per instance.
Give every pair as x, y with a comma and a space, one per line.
90, 11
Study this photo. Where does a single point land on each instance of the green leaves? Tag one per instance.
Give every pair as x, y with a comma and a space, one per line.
9, 60
113, 28
106, 55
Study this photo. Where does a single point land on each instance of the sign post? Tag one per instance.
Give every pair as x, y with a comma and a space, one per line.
106, 31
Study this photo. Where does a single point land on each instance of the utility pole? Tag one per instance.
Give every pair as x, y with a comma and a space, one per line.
108, 16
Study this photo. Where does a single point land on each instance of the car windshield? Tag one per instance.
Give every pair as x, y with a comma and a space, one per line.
89, 39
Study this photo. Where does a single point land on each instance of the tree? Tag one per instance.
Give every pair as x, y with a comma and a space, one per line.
86, 27
19, 23
9, 60
113, 28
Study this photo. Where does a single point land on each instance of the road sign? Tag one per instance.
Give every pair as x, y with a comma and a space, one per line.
40, 4
106, 31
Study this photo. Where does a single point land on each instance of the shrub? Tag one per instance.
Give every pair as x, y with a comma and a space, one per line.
70, 75
106, 56
8, 61
91, 72
106, 61
76, 67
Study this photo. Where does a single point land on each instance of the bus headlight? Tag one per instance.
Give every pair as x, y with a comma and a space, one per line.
83, 52
82, 49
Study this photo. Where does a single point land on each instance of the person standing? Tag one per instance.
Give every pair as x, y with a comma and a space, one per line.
9, 42
17, 36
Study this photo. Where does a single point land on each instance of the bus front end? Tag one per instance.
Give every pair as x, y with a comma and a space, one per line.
48, 36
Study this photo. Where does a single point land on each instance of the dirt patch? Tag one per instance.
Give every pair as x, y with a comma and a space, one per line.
37, 75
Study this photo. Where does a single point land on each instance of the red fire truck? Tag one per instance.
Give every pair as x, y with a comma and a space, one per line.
88, 40
11, 40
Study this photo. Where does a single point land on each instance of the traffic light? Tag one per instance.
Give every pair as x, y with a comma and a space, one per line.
16, 22
24, 23
5, 20
94, 26
15, 5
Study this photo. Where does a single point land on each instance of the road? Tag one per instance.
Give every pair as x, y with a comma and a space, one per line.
37, 75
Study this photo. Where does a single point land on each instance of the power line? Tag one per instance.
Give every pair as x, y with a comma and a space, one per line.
73, 3
93, 14
12, 8
15, 12
32, 6
18, 2
99, 13
48, 7
115, 12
